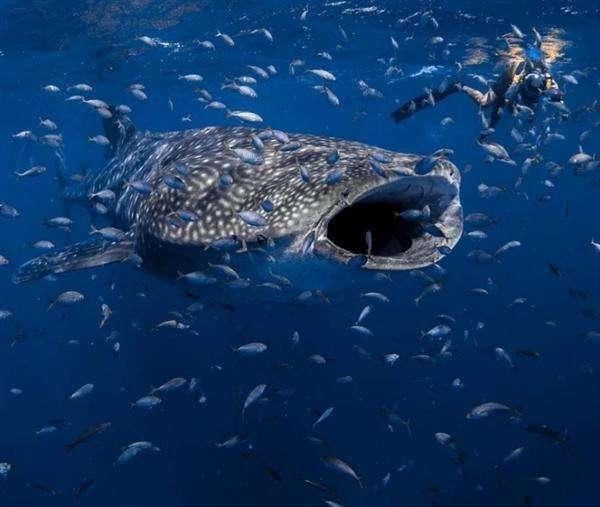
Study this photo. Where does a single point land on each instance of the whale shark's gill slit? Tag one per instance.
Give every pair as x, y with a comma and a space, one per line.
391, 234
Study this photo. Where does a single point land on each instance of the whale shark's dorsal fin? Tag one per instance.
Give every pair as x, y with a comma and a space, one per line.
119, 129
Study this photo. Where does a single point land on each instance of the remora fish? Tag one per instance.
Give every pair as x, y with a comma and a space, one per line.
87, 435
312, 218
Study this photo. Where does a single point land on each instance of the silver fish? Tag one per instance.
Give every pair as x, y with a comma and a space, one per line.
487, 409
83, 391
134, 449
253, 396
341, 466
326, 413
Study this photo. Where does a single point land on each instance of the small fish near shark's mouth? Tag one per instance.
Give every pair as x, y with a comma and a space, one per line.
409, 222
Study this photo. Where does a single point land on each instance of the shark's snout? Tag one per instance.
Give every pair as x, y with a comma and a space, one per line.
404, 223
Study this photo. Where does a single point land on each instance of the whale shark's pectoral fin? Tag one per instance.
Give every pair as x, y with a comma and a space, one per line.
83, 255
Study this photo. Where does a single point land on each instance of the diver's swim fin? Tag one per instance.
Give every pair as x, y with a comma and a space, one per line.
83, 255
421, 102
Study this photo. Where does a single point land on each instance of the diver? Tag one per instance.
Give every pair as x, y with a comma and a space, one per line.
521, 85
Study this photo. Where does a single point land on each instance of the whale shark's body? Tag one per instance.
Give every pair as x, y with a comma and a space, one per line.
184, 193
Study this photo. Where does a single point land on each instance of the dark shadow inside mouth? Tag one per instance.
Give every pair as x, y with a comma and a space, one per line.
391, 234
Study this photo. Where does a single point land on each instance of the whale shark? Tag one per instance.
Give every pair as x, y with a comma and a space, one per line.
181, 198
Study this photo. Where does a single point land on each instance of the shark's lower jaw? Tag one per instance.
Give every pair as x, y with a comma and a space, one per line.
396, 243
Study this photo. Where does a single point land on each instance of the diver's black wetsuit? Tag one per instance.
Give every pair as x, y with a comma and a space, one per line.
522, 82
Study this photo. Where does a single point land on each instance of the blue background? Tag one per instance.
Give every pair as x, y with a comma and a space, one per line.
64, 43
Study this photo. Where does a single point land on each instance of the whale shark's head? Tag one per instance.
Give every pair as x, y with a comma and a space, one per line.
383, 221
335, 199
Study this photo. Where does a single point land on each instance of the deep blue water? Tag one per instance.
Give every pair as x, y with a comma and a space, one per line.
64, 43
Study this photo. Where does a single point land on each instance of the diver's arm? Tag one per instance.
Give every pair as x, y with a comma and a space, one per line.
422, 101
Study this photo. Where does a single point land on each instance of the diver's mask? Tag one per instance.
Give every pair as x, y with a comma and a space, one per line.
535, 80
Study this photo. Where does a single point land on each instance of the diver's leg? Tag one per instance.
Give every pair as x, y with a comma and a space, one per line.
422, 101
495, 116
481, 99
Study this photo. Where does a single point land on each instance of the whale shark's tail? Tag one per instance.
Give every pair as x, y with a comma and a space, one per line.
119, 129
62, 178
60, 167
78, 256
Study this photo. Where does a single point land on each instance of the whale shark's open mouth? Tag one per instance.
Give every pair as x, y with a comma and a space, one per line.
408, 222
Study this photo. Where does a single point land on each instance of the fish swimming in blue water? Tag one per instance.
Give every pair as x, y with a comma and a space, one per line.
276, 319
